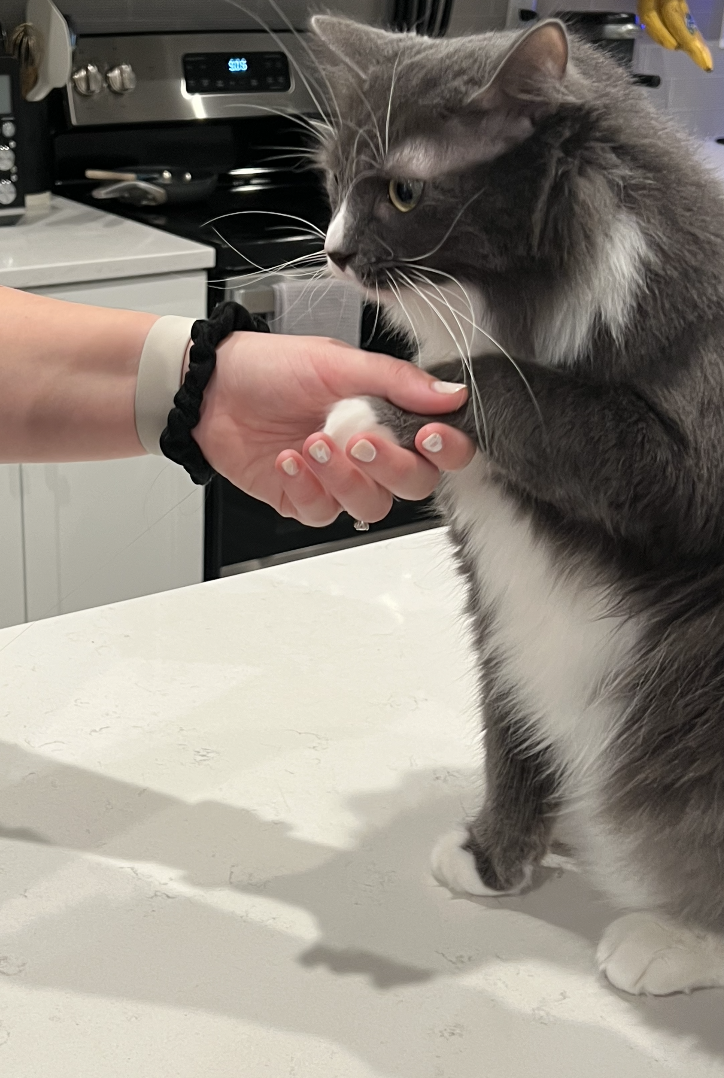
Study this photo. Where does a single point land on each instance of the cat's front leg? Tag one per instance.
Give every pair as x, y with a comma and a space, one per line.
365, 415
498, 851
362, 415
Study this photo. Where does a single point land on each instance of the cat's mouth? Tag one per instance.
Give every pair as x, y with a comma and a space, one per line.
376, 284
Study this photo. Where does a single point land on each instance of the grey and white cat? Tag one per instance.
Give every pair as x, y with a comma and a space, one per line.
519, 188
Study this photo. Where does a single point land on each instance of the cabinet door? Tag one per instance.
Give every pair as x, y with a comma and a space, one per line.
12, 576
164, 293
104, 531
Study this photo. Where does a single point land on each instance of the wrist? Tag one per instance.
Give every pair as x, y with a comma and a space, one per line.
161, 370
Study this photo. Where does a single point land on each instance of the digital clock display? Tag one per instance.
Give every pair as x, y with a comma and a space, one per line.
235, 73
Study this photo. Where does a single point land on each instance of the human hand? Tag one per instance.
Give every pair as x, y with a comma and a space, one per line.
269, 395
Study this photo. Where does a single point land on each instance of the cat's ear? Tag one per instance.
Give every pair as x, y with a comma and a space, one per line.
527, 86
530, 77
358, 46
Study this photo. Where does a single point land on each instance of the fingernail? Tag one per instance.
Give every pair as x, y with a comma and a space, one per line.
447, 387
363, 450
320, 452
433, 442
290, 466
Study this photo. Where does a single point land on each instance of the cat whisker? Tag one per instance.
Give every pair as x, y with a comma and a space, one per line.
377, 312
480, 329
380, 155
359, 177
300, 260
310, 281
389, 105
320, 299
479, 417
312, 127
398, 296
306, 159
298, 37
271, 213
447, 235
307, 80
258, 276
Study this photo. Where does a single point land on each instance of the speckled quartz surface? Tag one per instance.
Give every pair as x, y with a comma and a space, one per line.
71, 243
216, 809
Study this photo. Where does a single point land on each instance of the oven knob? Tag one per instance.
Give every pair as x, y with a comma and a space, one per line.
88, 80
7, 158
8, 128
121, 79
8, 192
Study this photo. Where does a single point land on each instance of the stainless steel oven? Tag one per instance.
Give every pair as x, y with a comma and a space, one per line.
223, 105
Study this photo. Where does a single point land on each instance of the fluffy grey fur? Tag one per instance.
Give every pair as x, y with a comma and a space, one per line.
572, 225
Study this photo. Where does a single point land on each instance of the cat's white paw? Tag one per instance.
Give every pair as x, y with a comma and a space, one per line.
647, 954
353, 416
454, 867
562, 862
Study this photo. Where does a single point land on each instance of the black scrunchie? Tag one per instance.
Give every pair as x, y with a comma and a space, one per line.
176, 441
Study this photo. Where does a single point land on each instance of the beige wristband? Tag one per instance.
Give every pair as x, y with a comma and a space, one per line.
159, 377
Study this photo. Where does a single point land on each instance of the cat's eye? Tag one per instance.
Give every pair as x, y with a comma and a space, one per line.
405, 194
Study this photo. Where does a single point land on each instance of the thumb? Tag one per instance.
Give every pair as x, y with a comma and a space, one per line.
357, 373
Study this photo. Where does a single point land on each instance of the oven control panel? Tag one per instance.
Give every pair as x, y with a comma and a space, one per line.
161, 78
12, 201
236, 72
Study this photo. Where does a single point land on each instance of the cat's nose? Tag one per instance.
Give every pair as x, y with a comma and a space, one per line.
341, 258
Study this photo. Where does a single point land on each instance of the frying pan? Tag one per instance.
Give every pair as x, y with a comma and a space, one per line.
152, 185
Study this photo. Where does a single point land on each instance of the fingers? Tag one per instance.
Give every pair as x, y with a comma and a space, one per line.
404, 474
371, 374
357, 493
304, 496
322, 481
445, 447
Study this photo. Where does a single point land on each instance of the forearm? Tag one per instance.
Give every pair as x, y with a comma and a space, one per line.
68, 374
598, 452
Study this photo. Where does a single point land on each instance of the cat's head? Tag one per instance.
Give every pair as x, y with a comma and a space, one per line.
450, 158
415, 121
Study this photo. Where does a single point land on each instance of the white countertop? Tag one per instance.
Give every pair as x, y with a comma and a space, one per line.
216, 810
73, 243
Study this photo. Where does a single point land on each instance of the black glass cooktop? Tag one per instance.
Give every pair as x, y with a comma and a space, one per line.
257, 217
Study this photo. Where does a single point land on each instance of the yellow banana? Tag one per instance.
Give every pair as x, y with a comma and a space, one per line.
648, 13
677, 19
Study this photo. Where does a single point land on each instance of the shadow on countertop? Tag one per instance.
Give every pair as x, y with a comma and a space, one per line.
381, 933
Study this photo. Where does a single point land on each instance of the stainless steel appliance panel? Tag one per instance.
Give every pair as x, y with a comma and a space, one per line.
157, 91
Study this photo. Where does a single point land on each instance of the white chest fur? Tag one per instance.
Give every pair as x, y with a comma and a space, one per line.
445, 321
551, 627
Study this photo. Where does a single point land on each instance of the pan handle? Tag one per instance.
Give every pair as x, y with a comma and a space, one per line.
102, 174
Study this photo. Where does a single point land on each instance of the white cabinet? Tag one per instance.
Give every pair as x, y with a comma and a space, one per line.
96, 533
12, 558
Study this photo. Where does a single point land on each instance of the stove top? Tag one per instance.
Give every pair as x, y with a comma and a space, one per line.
257, 217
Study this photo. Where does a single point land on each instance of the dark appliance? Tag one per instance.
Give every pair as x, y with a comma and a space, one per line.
613, 32
12, 198
224, 103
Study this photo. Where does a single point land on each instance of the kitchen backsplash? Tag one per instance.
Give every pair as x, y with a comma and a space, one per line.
695, 99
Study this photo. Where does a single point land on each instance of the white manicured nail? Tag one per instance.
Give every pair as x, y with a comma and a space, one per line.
433, 443
363, 450
447, 387
320, 452
290, 466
